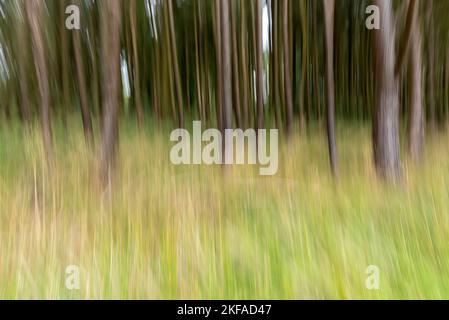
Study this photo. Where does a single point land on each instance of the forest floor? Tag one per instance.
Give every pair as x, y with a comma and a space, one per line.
191, 232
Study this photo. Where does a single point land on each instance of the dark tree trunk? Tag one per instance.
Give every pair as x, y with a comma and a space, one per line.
135, 69
218, 60
259, 64
174, 54
85, 112
287, 71
329, 6
416, 125
235, 66
431, 65
226, 66
22, 49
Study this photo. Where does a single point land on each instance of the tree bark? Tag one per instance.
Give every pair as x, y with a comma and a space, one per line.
403, 53
416, 125
110, 39
386, 113
22, 50
329, 6
226, 66
85, 112
235, 66
431, 65
218, 61
287, 71
174, 53
135, 70
33, 10
259, 64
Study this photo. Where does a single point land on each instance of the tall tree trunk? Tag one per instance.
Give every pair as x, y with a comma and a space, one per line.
34, 15
259, 64
135, 70
304, 55
110, 51
416, 125
65, 106
403, 52
22, 49
329, 6
85, 112
174, 53
276, 65
386, 113
235, 65
199, 94
218, 60
431, 65
244, 66
287, 71
226, 66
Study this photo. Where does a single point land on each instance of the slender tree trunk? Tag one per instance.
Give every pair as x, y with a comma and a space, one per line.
403, 53
329, 6
276, 65
431, 65
226, 66
135, 70
218, 58
244, 66
85, 112
110, 30
416, 125
22, 49
259, 65
65, 106
199, 94
34, 15
235, 65
304, 55
287, 71
174, 53
386, 113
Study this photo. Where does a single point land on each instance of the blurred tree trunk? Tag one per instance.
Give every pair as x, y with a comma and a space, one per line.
218, 61
287, 70
174, 53
403, 52
135, 69
95, 91
110, 53
259, 64
431, 65
199, 93
244, 64
85, 112
235, 65
304, 55
329, 6
65, 106
386, 113
276, 64
22, 50
416, 125
34, 16
226, 66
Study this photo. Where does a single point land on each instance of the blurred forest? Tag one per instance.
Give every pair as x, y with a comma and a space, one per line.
264, 63
363, 173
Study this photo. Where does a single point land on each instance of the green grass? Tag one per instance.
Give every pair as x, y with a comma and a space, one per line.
199, 232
